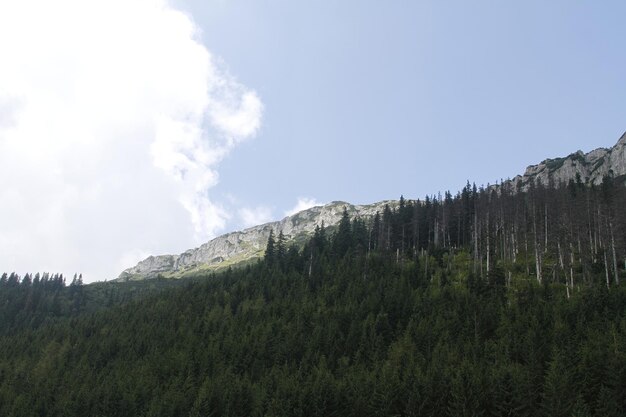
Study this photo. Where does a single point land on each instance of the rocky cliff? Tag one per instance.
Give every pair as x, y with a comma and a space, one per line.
592, 167
246, 245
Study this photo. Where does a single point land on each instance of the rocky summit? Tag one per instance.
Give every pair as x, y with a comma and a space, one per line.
241, 247
591, 167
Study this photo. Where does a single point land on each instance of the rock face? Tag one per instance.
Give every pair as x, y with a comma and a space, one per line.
249, 244
592, 167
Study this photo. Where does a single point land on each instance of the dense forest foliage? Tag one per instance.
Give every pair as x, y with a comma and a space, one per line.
493, 302
38, 299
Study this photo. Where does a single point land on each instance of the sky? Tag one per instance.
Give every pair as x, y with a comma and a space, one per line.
131, 128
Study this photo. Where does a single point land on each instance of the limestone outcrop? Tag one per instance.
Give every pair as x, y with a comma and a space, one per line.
592, 167
239, 247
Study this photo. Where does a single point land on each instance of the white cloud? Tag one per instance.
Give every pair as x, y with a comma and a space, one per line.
255, 216
303, 204
113, 119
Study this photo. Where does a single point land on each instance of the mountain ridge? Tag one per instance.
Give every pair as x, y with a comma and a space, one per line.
240, 247
592, 167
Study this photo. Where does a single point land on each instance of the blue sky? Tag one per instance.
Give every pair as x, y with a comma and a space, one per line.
130, 129
367, 100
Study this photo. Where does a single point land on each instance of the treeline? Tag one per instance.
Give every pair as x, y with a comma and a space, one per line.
46, 280
33, 300
392, 316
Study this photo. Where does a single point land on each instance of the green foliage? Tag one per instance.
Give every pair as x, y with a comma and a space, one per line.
554, 164
261, 341
270, 249
397, 317
41, 299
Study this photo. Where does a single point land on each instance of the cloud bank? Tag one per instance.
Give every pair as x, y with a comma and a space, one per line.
255, 216
113, 120
303, 203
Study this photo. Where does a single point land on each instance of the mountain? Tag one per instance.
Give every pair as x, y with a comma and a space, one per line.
246, 246
460, 326
592, 167
474, 303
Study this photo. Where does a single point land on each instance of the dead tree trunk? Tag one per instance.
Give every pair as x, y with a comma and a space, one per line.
558, 244
537, 250
613, 251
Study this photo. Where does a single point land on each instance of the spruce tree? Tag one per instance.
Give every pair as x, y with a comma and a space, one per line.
270, 251
343, 238
281, 249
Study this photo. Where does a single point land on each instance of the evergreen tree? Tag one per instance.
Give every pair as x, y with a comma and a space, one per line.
281, 249
270, 251
342, 240
375, 233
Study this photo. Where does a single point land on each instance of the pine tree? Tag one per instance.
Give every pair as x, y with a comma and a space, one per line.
270, 251
343, 238
375, 233
281, 249
558, 387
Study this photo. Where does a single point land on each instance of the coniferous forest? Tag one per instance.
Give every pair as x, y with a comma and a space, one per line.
491, 302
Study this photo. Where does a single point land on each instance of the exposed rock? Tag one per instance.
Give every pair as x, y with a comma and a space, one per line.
247, 245
592, 167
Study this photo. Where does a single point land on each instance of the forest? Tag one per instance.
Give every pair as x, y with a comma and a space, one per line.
491, 302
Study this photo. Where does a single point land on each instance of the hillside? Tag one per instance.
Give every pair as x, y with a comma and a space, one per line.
478, 304
508, 303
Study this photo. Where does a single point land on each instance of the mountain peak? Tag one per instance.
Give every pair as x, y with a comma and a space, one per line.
592, 167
